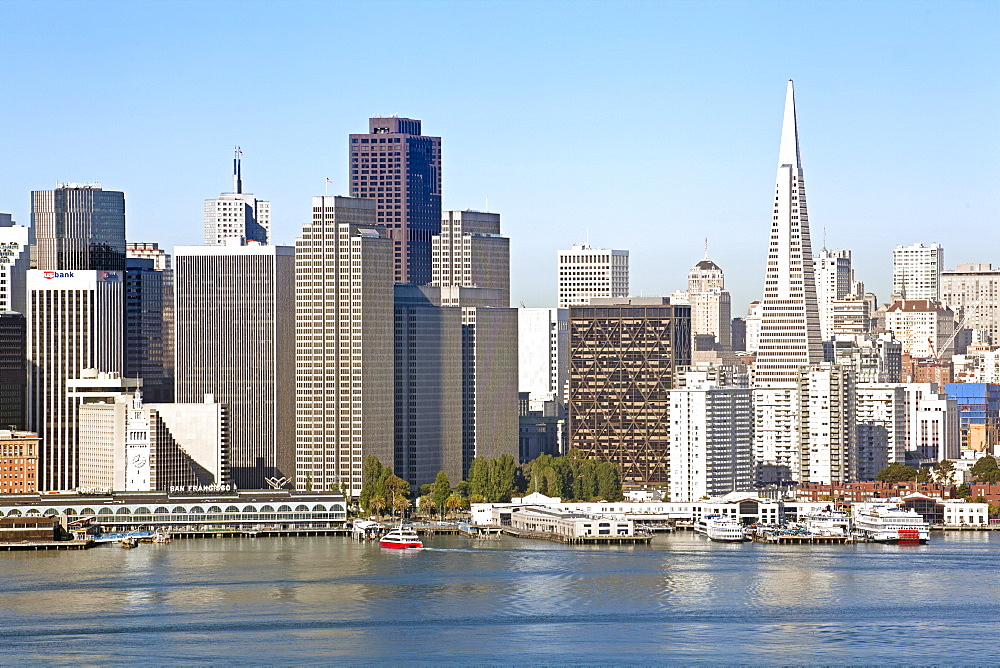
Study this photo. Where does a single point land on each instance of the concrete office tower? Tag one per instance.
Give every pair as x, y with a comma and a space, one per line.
471, 252
711, 439
623, 358
542, 354
75, 322
752, 326
827, 438
15, 241
148, 323
880, 426
916, 271
343, 345
587, 273
103, 399
399, 170
188, 445
13, 371
833, 282
237, 217
711, 312
79, 227
235, 313
923, 327
973, 292
851, 316
789, 336
428, 382
932, 423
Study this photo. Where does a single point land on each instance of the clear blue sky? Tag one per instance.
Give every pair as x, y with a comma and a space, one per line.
651, 124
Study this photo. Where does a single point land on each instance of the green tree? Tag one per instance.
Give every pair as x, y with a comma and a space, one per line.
477, 498
426, 503
373, 477
376, 504
609, 482
897, 472
401, 504
985, 469
923, 474
479, 476
943, 472
964, 491
442, 490
502, 472
453, 503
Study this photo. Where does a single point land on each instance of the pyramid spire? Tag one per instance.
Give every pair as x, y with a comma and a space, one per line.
788, 153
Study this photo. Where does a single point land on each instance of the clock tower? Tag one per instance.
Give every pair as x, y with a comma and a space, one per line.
137, 448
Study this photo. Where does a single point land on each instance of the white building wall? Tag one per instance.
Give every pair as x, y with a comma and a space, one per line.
586, 272
543, 352
916, 271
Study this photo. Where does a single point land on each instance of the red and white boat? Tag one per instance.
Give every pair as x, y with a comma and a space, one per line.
401, 538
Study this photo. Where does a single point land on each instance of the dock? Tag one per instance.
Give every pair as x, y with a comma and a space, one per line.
48, 545
641, 539
772, 537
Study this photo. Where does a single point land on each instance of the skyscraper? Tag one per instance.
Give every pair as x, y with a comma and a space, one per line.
789, 334
586, 273
237, 215
833, 282
916, 271
973, 292
343, 345
400, 171
14, 259
543, 349
711, 312
79, 227
235, 314
623, 358
149, 320
75, 322
471, 252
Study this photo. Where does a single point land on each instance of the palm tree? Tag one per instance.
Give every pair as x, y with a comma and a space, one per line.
453, 502
377, 505
401, 503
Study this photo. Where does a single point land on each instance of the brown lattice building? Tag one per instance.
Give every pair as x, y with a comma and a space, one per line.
623, 360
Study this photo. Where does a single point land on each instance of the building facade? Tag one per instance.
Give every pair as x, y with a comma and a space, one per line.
15, 241
833, 282
711, 312
916, 271
623, 358
827, 436
149, 339
234, 308
924, 328
972, 291
75, 322
344, 347
587, 273
79, 227
13, 370
18, 462
237, 217
471, 252
880, 423
399, 170
542, 350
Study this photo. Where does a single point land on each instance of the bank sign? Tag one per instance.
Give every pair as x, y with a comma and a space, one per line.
59, 274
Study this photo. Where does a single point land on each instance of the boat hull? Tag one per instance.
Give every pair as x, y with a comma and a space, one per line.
392, 545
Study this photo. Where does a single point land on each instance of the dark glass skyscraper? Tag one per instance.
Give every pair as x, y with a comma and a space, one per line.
401, 170
79, 227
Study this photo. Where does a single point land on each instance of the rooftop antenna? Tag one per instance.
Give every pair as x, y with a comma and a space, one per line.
824, 238
487, 204
237, 175
706, 248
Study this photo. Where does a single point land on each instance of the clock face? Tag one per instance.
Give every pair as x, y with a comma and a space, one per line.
139, 461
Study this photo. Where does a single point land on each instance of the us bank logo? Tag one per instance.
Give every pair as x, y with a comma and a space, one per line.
59, 274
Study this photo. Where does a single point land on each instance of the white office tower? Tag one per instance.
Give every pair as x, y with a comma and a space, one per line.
826, 425
833, 282
752, 324
343, 345
470, 252
973, 292
15, 241
925, 328
585, 273
237, 217
188, 444
932, 423
880, 422
789, 327
711, 439
543, 354
102, 419
75, 322
916, 271
711, 312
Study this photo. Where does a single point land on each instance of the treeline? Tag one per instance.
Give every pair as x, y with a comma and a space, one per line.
573, 478
984, 470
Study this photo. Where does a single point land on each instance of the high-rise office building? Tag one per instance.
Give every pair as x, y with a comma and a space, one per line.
237, 215
623, 357
15, 241
399, 169
428, 386
471, 252
103, 402
916, 271
234, 308
344, 344
834, 277
973, 292
711, 312
79, 227
13, 370
149, 351
542, 354
75, 322
711, 438
587, 273
789, 333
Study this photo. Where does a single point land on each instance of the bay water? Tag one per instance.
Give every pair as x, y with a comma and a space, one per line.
679, 600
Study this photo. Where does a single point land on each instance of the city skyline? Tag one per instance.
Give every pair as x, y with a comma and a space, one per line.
714, 133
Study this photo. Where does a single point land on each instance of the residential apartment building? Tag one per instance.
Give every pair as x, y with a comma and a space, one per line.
923, 327
827, 436
972, 291
916, 271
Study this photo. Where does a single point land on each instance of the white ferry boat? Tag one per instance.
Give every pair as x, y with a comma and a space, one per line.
721, 529
827, 523
890, 524
401, 538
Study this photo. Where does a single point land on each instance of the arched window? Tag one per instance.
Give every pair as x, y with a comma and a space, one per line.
88, 511
179, 510
143, 510
232, 509
284, 509
337, 508
123, 511
105, 511
51, 512
33, 512
14, 513
266, 509
70, 511
249, 509
319, 507
197, 510
301, 508
214, 509
161, 510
